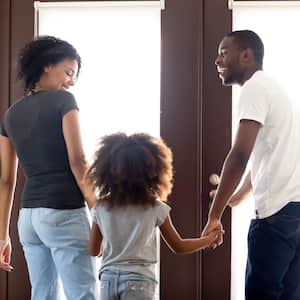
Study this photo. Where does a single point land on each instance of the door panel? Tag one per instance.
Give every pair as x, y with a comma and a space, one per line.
216, 142
195, 122
180, 109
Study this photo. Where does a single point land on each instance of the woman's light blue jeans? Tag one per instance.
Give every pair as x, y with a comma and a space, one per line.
119, 285
55, 243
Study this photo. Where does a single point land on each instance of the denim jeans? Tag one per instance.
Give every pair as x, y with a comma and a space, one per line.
273, 266
118, 285
55, 244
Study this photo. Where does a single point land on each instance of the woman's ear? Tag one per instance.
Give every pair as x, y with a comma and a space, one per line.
47, 69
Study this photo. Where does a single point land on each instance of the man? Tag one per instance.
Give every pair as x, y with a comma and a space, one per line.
268, 132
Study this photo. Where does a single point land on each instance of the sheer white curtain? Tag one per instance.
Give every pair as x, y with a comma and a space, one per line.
119, 43
277, 23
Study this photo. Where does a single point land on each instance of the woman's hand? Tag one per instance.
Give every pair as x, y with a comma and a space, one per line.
5, 255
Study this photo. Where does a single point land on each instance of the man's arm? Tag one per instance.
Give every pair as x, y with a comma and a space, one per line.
233, 170
242, 193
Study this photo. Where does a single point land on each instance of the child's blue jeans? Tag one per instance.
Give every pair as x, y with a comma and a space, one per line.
119, 285
273, 266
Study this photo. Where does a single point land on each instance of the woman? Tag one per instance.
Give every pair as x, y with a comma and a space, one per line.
42, 131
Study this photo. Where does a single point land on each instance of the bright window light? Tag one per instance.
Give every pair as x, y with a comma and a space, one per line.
119, 87
278, 25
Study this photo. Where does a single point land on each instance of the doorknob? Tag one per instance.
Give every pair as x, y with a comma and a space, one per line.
212, 194
214, 179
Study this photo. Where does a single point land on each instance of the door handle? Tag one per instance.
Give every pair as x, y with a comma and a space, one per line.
214, 179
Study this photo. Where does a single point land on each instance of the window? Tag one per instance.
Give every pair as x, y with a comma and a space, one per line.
119, 43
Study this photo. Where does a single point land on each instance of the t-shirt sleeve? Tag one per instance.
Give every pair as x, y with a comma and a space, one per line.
163, 210
253, 104
3, 131
68, 102
94, 215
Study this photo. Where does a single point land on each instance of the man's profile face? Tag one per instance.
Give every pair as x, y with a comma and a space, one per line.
228, 62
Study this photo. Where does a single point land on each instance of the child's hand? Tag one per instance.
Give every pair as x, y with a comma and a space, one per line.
212, 238
214, 225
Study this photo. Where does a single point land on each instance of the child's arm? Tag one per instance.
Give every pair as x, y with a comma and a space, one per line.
179, 245
95, 242
243, 192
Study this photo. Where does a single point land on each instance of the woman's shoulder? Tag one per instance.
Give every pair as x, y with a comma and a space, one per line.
16, 106
60, 94
62, 99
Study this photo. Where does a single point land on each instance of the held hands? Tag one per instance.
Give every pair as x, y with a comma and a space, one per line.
5, 255
212, 238
214, 228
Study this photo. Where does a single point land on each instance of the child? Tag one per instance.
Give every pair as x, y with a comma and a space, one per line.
133, 177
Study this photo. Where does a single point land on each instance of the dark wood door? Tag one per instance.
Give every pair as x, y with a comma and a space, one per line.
195, 122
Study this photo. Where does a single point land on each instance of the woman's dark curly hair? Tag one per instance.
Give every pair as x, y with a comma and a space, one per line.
40, 53
135, 169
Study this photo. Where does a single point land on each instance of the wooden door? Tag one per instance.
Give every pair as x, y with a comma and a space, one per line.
195, 122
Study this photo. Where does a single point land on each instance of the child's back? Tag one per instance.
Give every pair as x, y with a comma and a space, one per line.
129, 236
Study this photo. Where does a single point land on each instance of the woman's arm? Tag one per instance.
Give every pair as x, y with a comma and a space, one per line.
179, 245
77, 159
9, 164
94, 246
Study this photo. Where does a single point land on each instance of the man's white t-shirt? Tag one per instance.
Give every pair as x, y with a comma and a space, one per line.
275, 169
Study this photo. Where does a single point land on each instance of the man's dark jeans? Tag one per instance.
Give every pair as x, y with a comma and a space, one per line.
273, 266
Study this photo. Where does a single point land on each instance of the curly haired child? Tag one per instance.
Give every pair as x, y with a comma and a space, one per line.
133, 178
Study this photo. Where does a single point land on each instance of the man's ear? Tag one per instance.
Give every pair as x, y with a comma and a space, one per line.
247, 56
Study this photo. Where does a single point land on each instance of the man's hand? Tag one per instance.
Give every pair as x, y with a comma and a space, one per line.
214, 226
5, 255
